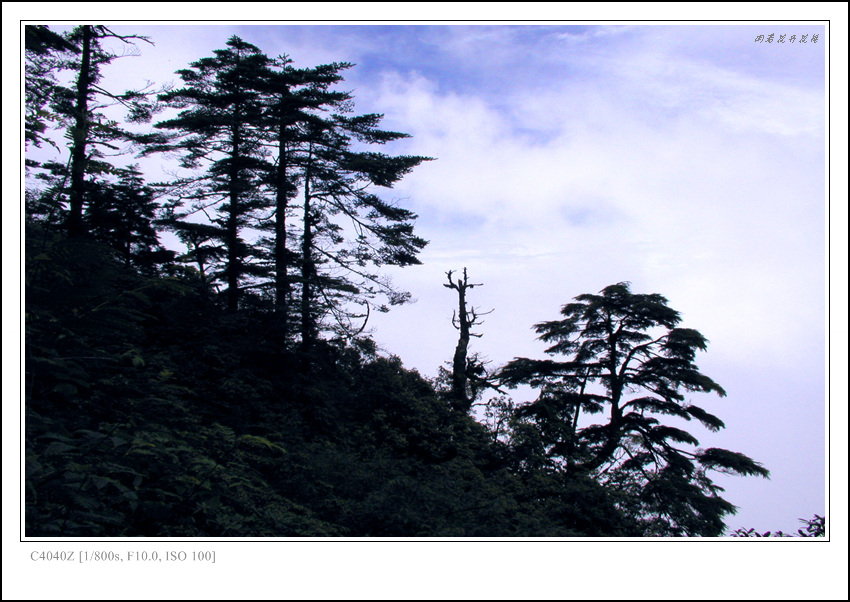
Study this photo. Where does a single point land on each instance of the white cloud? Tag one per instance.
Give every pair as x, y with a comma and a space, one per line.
698, 182
680, 172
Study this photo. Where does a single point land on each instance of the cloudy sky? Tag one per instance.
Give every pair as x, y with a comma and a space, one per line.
688, 160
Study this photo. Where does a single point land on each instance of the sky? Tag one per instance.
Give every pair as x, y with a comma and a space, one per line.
688, 160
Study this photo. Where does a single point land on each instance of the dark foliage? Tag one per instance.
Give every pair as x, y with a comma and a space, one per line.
150, 411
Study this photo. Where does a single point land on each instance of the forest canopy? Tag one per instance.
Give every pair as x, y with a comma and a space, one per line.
226, 386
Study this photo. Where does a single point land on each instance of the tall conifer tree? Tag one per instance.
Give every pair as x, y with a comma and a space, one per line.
217, 130
271, 133
292, 96
344, 226
626, 357
80, 109
348, 229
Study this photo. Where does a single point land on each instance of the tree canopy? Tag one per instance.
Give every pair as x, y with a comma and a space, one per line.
626, 358
269, 133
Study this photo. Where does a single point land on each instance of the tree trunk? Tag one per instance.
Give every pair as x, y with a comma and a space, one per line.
464, 320
79, 137
281, 301
459, 378
232, 228
308, 268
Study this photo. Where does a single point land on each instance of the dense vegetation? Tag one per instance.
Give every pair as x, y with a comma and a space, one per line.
153, 411
225, 389
813, 527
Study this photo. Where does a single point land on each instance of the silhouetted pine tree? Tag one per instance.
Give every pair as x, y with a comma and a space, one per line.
291, 96
81, 112
348, 230
625, 357
217, 130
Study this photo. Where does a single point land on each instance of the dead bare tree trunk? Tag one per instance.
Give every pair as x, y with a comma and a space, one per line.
463, 319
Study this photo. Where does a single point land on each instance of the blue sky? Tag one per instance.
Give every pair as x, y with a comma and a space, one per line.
686, 159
